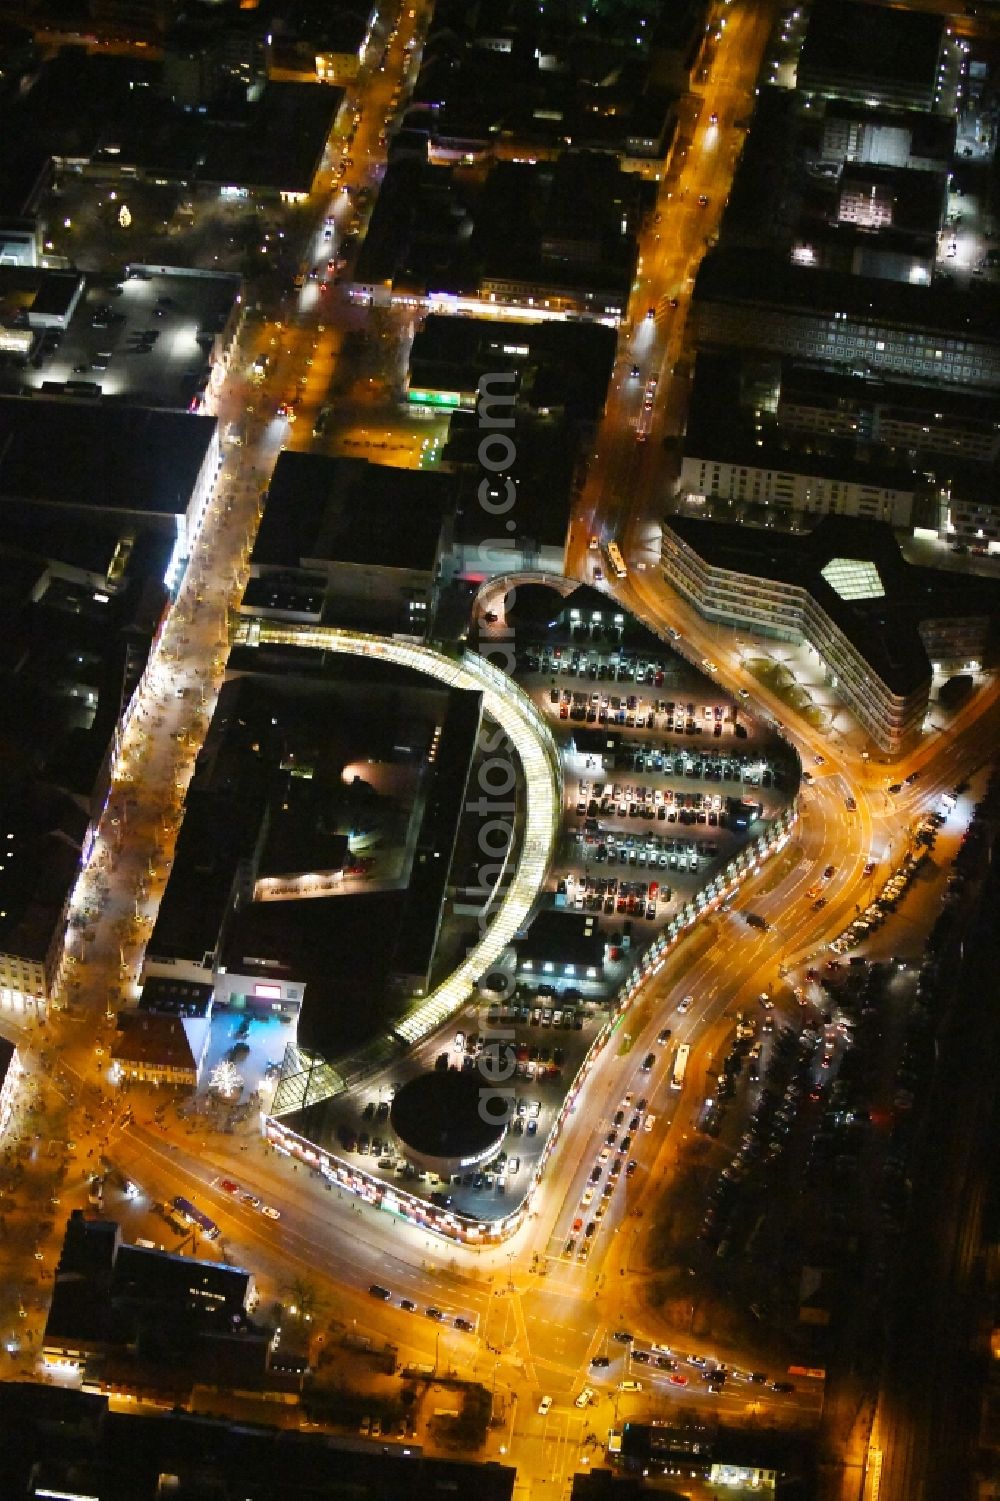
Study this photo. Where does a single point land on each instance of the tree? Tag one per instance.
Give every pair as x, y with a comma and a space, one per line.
305, 1300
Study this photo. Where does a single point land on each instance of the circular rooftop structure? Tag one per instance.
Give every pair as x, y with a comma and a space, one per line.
447, 1120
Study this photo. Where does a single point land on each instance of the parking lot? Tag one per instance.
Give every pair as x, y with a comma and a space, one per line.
662, 780
654, 838
543, 1037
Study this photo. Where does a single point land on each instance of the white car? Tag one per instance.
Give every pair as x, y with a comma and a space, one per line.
584, 1399
649, 1123
272, 1214
685, 1005
544, 1406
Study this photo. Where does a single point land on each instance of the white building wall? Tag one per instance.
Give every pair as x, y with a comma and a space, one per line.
800, 492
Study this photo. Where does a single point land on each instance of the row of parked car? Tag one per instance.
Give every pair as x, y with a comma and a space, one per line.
613, 667
652, 853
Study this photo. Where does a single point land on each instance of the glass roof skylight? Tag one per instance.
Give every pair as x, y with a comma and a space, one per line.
854, 578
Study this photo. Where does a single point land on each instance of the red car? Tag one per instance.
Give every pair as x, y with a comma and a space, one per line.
229, 1185
678, 1378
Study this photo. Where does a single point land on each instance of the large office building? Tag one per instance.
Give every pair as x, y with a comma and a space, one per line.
756, 299
133, 1310
878, 625
100, 463
930, 423
548, 369
842, 187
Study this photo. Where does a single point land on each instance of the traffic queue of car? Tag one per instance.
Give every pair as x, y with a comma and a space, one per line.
673, 1366
407, 1305
612, 1165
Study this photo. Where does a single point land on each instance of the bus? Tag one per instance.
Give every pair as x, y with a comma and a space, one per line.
680, 1066
616, 561
187, 1211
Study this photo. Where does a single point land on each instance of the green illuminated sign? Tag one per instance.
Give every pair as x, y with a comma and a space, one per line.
434, 398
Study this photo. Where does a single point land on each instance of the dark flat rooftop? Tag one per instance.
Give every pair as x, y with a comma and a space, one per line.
439, 1114
761, 278
45, 829
562, 365
557, 225
564, 937
90, 456
931, 136
350, 511
339, 947
163, 993
546, 452
112, 108
860, 41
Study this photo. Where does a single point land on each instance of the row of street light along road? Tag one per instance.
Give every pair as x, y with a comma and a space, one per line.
542, 1322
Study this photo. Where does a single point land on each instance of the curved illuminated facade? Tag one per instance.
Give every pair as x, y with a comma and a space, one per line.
447, 1122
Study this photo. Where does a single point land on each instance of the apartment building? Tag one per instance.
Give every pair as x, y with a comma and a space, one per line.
912, 419
801, 484
737, 450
